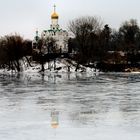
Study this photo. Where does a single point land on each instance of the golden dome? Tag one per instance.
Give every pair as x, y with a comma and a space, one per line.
54, 15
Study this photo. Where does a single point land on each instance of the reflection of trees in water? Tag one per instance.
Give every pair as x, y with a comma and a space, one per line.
109, 94
43, 78
10, 81
130, 105
85, 99
89, 111
58, 77
12, 88
82, 117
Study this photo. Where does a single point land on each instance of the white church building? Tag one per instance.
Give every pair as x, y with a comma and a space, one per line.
56, 33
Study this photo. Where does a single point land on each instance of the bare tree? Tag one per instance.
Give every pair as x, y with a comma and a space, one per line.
85, 25
130, 32
85, 30
12, 49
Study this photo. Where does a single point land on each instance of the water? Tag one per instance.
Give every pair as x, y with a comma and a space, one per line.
70, 107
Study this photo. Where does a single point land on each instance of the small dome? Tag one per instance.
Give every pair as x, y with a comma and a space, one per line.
54, 16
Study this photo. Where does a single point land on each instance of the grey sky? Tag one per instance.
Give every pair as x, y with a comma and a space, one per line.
25, 16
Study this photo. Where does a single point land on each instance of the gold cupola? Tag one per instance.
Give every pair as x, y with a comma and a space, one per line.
54, 14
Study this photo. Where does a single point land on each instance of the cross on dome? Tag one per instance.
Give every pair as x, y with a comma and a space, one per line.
54, 7
54, 15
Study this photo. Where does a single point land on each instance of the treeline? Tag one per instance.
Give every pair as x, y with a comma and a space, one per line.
94, 43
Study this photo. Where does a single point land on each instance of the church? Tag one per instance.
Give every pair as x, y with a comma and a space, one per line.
59, 36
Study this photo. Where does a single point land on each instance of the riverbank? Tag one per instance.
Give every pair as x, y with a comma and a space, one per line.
55, 66
110, 67
67, 65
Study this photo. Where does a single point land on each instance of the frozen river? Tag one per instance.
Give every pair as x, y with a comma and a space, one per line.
70, 107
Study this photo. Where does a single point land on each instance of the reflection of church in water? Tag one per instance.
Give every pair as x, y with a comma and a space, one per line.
54, 119
59, 35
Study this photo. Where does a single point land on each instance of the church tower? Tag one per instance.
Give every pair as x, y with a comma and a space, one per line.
54, 20
56, 33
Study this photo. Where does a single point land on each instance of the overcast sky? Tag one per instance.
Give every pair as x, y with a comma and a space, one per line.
25, 16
